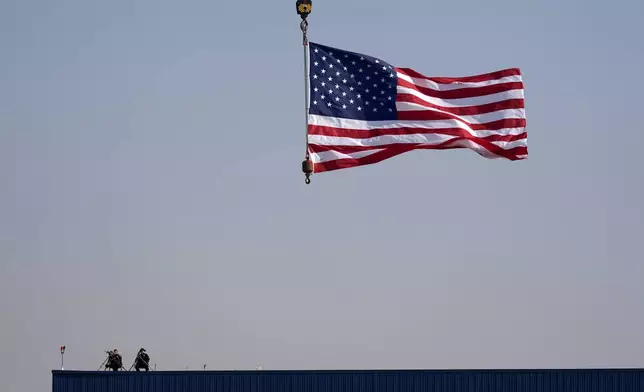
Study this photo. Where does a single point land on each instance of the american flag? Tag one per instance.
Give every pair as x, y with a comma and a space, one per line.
363, 110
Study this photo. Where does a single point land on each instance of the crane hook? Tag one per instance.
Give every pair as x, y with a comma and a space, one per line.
307, 168
304, 8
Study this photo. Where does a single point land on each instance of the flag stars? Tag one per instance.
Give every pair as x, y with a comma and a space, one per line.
357, 86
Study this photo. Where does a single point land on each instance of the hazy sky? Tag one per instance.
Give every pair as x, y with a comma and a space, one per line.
151, 193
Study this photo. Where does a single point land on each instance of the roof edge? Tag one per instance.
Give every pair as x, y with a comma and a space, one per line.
357, 371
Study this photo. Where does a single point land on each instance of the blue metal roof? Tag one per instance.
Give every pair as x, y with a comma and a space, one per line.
555, 380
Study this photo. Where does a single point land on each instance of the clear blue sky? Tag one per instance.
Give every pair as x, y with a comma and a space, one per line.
151, 193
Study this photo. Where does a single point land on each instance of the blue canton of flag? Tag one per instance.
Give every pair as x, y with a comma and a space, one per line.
351, 85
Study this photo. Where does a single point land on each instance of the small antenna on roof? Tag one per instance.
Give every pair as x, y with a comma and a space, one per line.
62, 357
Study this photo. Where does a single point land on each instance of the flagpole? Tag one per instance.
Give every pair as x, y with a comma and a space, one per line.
305, 45
304, 9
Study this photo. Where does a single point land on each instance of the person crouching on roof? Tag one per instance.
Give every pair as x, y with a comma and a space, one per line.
115, 361
142, 361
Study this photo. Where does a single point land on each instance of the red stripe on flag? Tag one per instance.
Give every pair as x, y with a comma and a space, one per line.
465, 79
510, 154
428, 115
466, 92
365, 134
465, 110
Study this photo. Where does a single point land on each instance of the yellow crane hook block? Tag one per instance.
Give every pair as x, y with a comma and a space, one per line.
304, 8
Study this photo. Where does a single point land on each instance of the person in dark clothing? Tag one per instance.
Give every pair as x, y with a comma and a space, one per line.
142, 361
114, 360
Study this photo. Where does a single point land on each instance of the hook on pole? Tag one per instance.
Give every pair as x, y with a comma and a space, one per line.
307, 168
